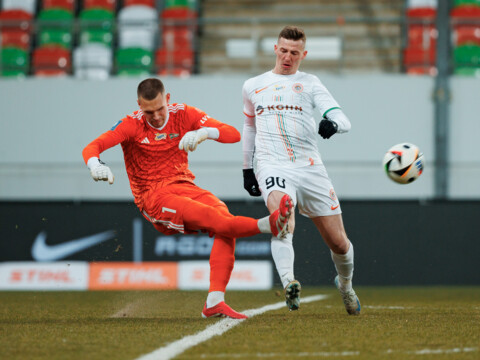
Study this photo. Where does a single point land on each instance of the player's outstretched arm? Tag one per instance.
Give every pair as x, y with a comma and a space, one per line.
99, 170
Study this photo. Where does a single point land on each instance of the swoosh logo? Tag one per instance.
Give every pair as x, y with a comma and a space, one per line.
43, 252
334, 207
257, 91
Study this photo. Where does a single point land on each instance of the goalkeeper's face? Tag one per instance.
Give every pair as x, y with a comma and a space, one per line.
156, 110
290, 54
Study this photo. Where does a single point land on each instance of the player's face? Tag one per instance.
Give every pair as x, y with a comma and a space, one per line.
156, 110
290, 54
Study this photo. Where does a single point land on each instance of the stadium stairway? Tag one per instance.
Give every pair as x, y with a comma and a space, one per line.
369, 33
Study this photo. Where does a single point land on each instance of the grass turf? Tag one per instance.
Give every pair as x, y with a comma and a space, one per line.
396, 323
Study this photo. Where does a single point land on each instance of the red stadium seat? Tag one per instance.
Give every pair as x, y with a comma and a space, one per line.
150, 3
422, 37
422, 70
412, 56
177, 58
100, 4
180, 72
181, 38
15, 38
15, 19
465, 12
466, 34
62, 4
51, 61
15, 28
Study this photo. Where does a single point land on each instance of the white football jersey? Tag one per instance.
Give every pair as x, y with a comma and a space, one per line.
283, 107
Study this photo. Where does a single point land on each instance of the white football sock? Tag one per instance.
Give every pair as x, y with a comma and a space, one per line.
283, 255
214, 298
264, 225
344, 265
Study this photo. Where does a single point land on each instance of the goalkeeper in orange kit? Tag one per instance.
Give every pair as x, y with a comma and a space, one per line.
155, 141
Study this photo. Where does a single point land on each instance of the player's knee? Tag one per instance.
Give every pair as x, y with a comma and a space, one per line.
340, 246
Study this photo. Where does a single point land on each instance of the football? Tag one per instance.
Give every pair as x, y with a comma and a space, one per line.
403, 163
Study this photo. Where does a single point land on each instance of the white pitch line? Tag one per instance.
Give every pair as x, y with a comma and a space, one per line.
177, 347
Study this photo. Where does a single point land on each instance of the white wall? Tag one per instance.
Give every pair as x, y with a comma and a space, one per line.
45, 123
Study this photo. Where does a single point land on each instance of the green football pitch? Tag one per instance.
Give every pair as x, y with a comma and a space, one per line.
396, 323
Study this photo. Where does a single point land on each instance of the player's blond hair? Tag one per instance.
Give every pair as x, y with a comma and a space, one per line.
293, 33
148, 89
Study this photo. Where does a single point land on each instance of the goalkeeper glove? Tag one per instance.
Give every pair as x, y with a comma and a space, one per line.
99, 170
191, 139
250, 182
327, 128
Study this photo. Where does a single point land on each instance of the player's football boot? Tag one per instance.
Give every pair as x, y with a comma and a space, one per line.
350, 299
279, 218
221, 310
292, 295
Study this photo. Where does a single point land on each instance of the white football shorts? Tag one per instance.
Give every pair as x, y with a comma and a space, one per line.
309, 187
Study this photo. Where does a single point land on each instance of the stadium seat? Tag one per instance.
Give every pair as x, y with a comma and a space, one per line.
467, 71
192, 4
137, 27
92, 61
15, 38
14, 61
55, 37
422, 70
29, 6
179, 28
457, 3
178, 72
421, 37
59, 4
15, 28
51, 61
466, 34
149, 3
174, 59
100, 4
133, 61
465, 13
96, 25
466, 56
413, 56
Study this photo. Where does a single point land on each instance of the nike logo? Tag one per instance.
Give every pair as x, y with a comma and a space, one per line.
334, 207
257, 91
43, 252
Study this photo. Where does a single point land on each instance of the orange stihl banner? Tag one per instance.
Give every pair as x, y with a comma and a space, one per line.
126, 276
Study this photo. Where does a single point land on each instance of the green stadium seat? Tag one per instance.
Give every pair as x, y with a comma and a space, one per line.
55, 18
96, 36
96, 25
55, 37
457, 3
192, 4
14, 61
133, 61
466, 56
467, 71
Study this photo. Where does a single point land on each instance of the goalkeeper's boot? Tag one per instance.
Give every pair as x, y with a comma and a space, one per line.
292, 295
350, 299
279, 218
222, 310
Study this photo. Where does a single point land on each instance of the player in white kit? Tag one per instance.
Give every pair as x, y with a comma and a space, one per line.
279, 137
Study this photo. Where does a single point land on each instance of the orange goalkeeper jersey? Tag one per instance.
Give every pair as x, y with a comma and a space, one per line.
152, 157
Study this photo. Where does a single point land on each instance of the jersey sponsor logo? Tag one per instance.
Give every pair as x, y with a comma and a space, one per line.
298, 88
173, 136
279, 87
145, 141
260, 90
116, 124
161, 136
41, 251
260, 109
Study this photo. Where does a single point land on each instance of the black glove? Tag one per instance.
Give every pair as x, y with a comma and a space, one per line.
250, 182
327, 128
